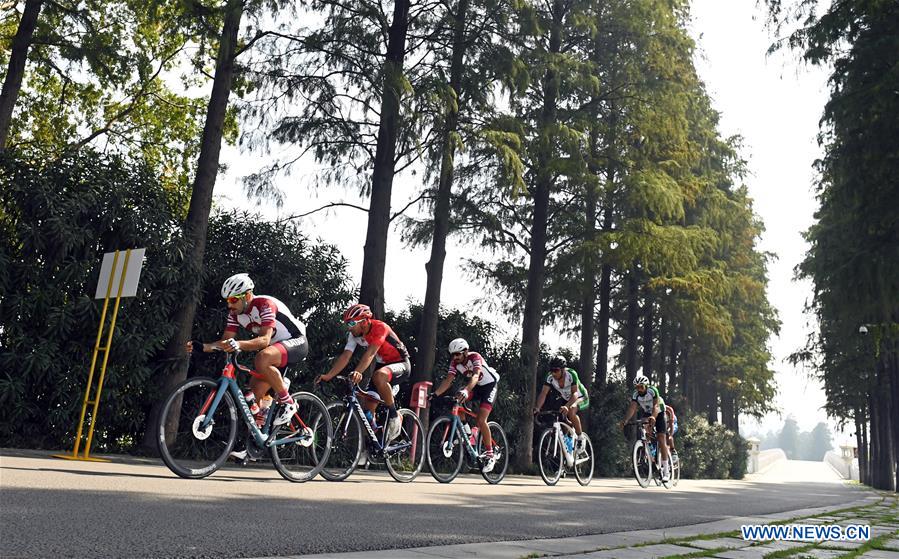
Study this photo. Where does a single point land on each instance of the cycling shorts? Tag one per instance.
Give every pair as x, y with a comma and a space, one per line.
293, 350
485, 394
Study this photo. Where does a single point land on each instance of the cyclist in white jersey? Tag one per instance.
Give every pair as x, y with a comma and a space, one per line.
650, 403
480, 384
566, 382
280, 340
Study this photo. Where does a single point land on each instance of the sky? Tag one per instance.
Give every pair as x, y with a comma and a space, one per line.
773, 102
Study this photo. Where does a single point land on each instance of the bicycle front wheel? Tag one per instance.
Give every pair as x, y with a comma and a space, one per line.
187, 448
307, 439
408, 454
550, 457
444, 451
583, 462
500, 453
346, 443
642, 464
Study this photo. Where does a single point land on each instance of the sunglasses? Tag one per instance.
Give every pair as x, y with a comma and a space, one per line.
235, 298
457, 354
555, 370
352, 323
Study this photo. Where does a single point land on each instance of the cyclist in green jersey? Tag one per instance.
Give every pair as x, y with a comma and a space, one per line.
566, 382
651, 404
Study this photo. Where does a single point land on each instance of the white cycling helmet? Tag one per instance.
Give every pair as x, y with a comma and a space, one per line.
237, 284
458, 345
641, 380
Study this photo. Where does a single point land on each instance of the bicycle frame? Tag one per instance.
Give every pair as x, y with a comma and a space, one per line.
558, 426
264, 438
459, 413
375, 447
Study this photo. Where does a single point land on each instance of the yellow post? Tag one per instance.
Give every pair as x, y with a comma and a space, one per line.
97, 350
115, 313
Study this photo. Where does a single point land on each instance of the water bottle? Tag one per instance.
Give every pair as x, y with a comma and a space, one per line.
653, 448
251, 402
371, 419
474, 435
569, 443
467, 430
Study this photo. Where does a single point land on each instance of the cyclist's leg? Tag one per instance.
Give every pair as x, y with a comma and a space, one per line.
573, 418
662, 436
486, 396
268, 361
388, 375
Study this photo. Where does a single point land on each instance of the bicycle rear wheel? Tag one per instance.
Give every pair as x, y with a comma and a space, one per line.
550, 457
405, 464
642, 464
187, 449
302, 459
583, 463
444, 453
500, 453
346, 443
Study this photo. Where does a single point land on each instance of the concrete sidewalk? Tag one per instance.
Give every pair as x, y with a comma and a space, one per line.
718, 539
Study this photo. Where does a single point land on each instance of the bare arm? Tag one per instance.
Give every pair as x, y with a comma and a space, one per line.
339, 364
541, 398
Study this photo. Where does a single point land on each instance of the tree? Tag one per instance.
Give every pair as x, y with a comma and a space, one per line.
788, 439
197, 222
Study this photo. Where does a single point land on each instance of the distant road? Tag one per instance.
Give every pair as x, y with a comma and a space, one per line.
137, 508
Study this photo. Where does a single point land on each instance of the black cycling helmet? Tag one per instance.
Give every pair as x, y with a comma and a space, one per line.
557, 362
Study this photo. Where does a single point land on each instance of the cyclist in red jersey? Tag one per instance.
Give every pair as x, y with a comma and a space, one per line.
384, 347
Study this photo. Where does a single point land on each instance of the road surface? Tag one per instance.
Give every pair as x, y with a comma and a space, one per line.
137, 508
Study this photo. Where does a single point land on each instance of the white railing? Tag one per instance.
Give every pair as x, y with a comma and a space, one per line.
846, 467
767, 458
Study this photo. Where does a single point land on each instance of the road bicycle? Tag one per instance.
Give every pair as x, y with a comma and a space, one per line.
198, 427
556, 453
452, 442
646, 459
403, 456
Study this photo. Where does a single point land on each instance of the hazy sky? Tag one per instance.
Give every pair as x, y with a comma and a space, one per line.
773, 102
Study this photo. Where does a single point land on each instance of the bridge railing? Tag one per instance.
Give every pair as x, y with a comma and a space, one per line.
846, 467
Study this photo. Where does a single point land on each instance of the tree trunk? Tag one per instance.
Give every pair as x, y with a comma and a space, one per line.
673, 381
371, 291
647, 336
881, 441
427, 335
15, 71
533, 307
605, 302
197, 222
633, 319
588, 298
861, 443
663, 346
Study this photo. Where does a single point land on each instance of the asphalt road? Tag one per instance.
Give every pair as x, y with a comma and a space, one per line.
137, 508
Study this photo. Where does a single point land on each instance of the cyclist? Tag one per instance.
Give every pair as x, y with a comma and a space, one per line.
480, 384
651, 404
280, 340
382, 345
566, 383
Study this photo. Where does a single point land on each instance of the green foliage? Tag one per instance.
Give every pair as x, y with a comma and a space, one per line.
309, 277
58, 220
710, 450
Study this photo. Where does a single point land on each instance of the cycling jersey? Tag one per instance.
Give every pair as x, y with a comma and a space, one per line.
390, 348
474, 363
267, 312
565, 384
645, 401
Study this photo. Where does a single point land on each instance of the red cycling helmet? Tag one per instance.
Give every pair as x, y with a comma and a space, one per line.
357, 312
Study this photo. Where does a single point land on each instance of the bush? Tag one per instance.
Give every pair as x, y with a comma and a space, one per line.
57, 220
710, 451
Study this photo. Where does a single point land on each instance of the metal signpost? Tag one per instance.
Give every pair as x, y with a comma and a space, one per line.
120, 271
